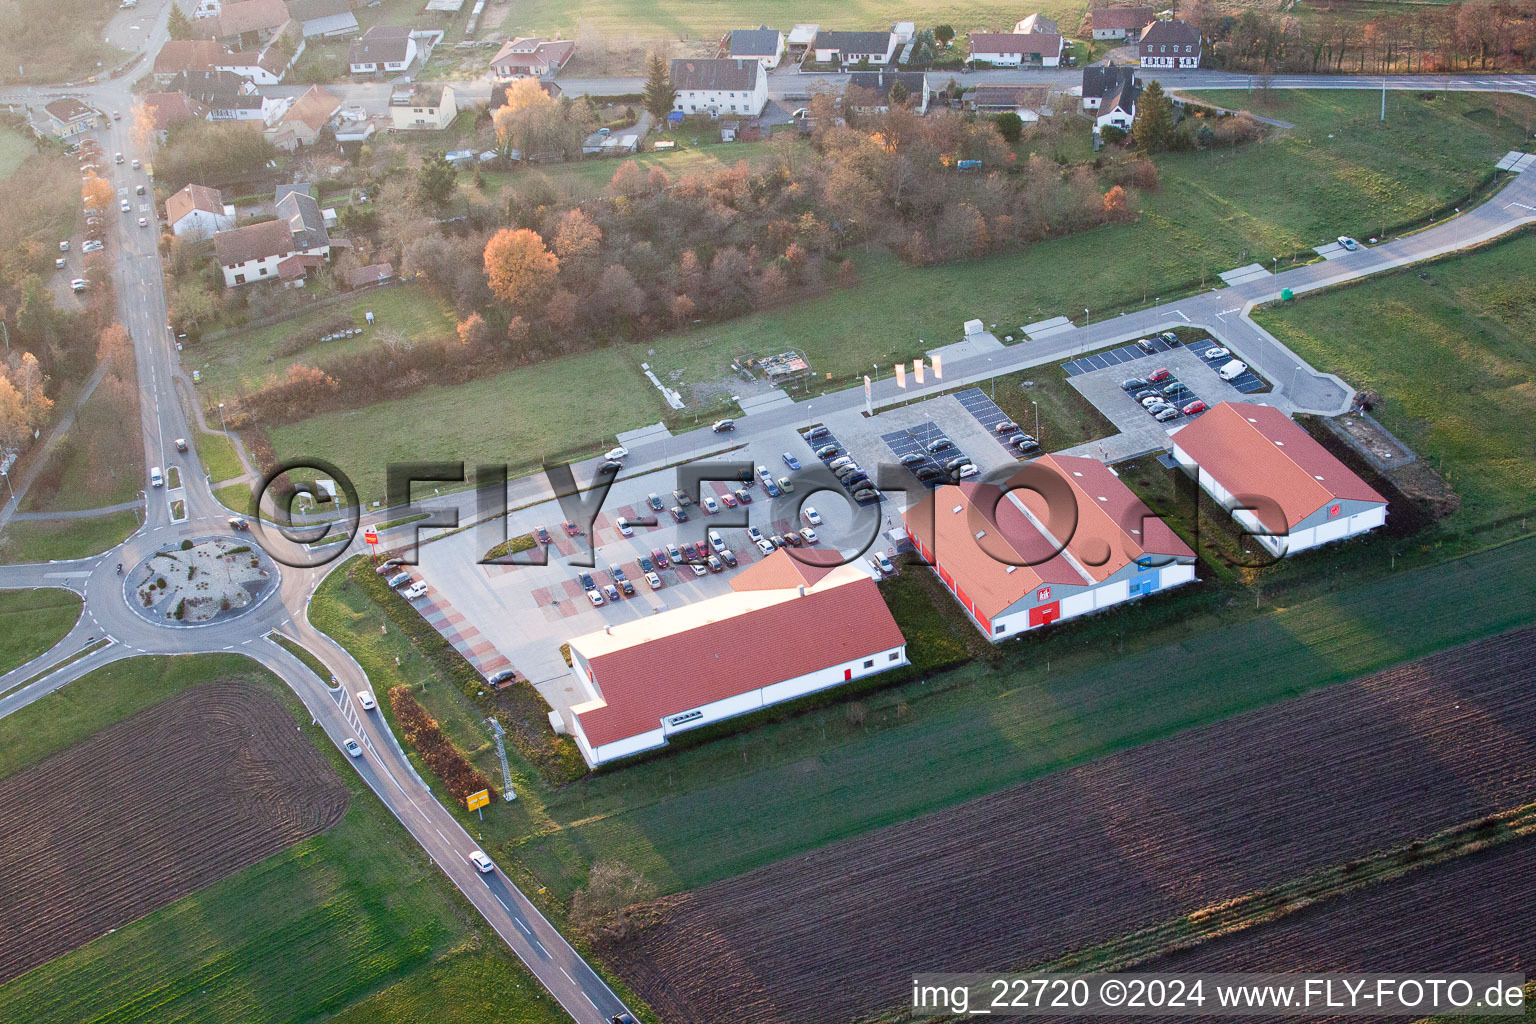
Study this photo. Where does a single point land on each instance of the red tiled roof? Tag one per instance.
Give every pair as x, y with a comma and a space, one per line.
798, 567
1131, 19
735, 654
253, 242
314, 108
1011, 42
251, 16
179, 55
193, 197
167, 108
1257, 451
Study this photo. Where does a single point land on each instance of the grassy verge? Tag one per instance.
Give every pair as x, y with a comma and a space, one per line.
84, 652
236, 498
218, 454
1049, 407
97, 462
510, 546
32, 621
356, 920
301, 652
404, 521
38, 540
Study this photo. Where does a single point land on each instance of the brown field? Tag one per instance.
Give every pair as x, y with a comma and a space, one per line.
150, 809
1017, 877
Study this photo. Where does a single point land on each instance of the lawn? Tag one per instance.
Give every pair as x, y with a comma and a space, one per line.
1051, 409
33, 540
568, 406
32, 621
1215, 211
240, 360
236, 498
35, 48
356, 921
217, 453
15, 147
1450, 353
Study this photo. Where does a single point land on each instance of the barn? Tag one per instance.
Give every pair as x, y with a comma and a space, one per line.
1287, 490
795, 623
1065, 537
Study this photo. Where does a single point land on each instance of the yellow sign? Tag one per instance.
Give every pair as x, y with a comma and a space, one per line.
475, 801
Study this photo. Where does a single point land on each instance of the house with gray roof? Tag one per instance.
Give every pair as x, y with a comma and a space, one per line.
762, 43
721, 85
851, 48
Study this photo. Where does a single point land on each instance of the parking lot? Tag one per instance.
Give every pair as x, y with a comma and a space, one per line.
986, 412
1127, 355
821, 439
912, 448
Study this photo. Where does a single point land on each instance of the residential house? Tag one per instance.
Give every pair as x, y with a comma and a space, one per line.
1028, 101
531, 57
1013, 49
1170, 44
69, 117
198, 212
185, 55
247, 24
382, 48
302, 122
647, 679
207, 9
851, 48
1286, 490
228, 97
1015, 561
324, 19
428, 108
268, 66
164, 109
283, 249
1120, 22
1037, 23
721, 85
761, 43
1109, 93
880, 84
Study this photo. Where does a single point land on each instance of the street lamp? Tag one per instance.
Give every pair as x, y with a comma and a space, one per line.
221, 419
1037, 418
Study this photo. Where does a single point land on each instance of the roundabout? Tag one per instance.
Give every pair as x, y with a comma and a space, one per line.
200, 581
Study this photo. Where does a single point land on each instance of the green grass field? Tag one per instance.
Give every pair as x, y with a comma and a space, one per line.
1451, 356
239, 360
97, 463
31, 621
15, 147
35, 540
235, 497
355, 922
576, 402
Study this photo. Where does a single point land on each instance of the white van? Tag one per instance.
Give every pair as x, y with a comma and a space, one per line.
1235, 368
155, 477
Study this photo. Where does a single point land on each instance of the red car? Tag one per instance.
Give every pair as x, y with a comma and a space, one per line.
728, 499
1161, 373
1194, 407
659, 557
571, 529
542, 535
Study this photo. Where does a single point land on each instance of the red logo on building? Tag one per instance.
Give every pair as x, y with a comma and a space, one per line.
1333, 510
1044, 594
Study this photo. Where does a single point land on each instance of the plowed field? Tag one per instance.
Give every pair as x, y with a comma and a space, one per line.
1016, 877
150, 809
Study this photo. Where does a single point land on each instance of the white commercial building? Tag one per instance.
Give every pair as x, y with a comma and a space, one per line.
1285, 488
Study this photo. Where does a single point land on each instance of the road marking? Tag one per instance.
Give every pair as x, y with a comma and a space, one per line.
589, 999
440, 834
536, 942
567, 975
522, 926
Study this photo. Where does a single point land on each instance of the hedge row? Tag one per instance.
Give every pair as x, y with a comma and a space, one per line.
443, 758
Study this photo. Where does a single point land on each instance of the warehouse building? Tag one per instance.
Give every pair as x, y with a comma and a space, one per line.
1066, 537
794, 624
1285, 489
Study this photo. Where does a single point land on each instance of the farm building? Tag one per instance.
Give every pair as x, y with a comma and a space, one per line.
1287, 490
1120, 22
1014, 49
1064, 539
794, 625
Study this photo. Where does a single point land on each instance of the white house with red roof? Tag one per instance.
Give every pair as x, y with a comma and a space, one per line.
797, 622
1065, 537
1285, 488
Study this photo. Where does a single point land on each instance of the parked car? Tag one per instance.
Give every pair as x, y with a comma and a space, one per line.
399, 579
715, 541
1005, 427
78, 284
1153, 404
611, 592
60, 263
743, 495
968, 470
1216, 353
1194, 407
1132, 384
754, 534
415, 590
571, 529
595, 598
845, 460
587, 582
506, 675
764, 545
657, 559
653, 581
653, 500
721, 426
865, 495
816, 432
928, 473
1235, 368
940, 445
1169, 338
874, 563
855, 479
679, 515
625, 530
1348, 243
627, 587
616, 571
714, 563
1144, 394
710, 506
1159, 375
617, 452
912, 458
772, 488
786, 485
790, 460
1166, 413
1173, 389
365, 700
674, 552
541, 535
827, 451
729, 558
810, 515
698, 568
1019, 439
1145, 344
389, 564
728, 500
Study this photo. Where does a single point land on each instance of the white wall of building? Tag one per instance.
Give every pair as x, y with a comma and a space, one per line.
203, 224
724, 101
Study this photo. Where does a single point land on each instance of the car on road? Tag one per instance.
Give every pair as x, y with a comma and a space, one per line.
595, 598
678, 514
653, 581
827, 451
625, 530
78, 284
710, 506
611, 592
1348, 243
365, 700
181, 444
721, 426
808, 535
681, 497
1215, 353
541, 535
1005, 427
138, 190
236, 523
790, 460
1166, 413
125, 206
1235, 368
143, 222
399, 579
743, 495
351, 747
654, 500
810, 515
117, 158
134, 164
617, 452
1194, 407
571, 529
1132, 384
1159, 375
481, 862
1145, 344
728, 500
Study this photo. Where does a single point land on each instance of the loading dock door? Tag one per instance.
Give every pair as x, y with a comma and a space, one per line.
1045, 614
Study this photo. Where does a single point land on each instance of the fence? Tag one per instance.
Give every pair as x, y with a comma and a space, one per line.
293, 314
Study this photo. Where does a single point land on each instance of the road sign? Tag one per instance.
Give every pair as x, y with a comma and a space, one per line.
475, 801
370, 536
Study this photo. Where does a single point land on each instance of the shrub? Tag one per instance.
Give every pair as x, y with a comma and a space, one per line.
444, 760
186, 545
